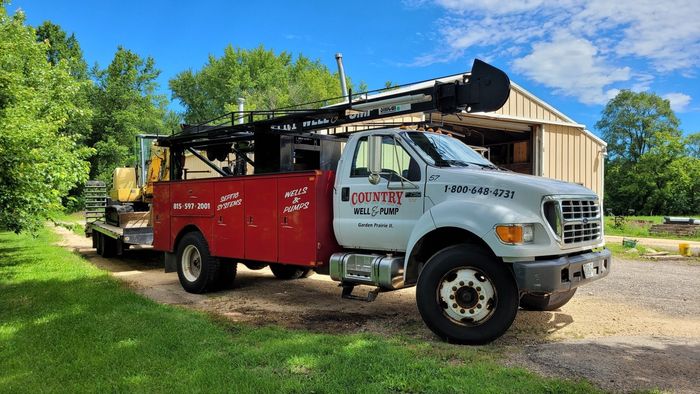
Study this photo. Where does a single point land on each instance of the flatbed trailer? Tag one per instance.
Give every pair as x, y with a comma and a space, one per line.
110, 240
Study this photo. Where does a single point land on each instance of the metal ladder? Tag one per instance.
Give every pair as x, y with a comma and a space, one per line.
95, 202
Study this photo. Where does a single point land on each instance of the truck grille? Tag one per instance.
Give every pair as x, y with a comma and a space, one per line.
575, 233
574, 220
579, 209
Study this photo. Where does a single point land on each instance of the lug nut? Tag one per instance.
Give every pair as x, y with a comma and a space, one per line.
461, 283
478, 306
452, 297
471, 283
454, 305
471, 311
454, 288
481, 297
461, 311
478, 288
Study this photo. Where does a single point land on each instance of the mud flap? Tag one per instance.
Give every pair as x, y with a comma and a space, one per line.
170, 262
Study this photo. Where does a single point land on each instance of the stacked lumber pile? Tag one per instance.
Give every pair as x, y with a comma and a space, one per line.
685, 230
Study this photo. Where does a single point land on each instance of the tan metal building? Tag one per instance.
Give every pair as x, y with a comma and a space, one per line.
530, 136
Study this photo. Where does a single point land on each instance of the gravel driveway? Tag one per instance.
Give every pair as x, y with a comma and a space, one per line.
639, 328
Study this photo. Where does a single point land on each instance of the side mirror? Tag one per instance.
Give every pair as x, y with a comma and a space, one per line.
374, 160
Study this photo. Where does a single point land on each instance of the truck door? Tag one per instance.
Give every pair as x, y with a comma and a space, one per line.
379, 216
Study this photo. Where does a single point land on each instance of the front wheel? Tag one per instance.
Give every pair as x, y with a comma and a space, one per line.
548, 302
467, 296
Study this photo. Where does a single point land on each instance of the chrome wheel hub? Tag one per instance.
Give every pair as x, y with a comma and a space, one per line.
467, 296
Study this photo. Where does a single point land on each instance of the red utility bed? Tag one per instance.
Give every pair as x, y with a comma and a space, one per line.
278, 218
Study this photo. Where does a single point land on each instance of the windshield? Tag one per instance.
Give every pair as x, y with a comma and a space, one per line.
442, 150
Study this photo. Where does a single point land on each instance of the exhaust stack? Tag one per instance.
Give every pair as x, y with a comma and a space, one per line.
341, 73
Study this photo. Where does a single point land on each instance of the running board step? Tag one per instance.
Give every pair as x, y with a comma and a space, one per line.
347, 293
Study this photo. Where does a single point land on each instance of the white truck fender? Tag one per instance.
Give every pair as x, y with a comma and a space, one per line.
481, 217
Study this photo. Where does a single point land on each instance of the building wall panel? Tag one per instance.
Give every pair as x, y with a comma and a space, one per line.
571, 155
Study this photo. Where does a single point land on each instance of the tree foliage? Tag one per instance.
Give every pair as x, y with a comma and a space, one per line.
632, 123
649, 167
264, 79
62, 47
125, 104
39, 161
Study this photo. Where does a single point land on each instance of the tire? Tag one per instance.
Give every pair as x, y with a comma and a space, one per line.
286, 272
196, 268
106, 246
226, 276
99, 243
255, 266
549, 302
482, 291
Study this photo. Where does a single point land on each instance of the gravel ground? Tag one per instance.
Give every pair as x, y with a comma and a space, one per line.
639, 328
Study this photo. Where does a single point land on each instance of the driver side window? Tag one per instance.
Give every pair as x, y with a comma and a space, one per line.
395, 161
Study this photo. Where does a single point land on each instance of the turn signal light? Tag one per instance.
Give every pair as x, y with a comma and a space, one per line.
510, 234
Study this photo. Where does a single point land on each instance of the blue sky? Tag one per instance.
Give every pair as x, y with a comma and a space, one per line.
573, 54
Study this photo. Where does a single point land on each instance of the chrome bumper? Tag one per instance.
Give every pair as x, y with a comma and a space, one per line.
561, 274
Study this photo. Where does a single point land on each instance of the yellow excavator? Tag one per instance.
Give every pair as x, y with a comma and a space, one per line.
122, 217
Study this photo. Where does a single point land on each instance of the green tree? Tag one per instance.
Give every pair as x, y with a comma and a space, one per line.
62, 47
39, 162
647, 168
631, 123
692, 144
265, 79
125, 104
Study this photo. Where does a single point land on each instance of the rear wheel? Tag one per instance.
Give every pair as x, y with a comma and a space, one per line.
282, 271
467, 296
197, 269
227, 273
548, 302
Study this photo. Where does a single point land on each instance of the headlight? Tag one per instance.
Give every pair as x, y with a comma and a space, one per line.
516, 234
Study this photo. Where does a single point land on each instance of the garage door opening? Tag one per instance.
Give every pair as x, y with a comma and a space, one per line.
509, 149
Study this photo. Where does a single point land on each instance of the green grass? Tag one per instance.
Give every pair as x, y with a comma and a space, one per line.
74, 221
66, 326
632, 229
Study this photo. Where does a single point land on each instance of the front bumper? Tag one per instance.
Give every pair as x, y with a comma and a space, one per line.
563, 273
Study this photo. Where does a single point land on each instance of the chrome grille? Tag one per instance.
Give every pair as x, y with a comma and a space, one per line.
574, 220
579, 209
581, 232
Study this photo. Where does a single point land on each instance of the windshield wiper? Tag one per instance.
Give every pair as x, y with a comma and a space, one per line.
459, 163
484, 165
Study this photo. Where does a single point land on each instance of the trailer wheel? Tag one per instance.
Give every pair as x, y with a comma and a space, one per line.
109, 248
196, 268
97, 241
467, 296
549, 302
282, 271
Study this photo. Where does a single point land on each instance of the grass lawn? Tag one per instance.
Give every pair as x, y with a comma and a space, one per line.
66, 326
74, 221
633, 227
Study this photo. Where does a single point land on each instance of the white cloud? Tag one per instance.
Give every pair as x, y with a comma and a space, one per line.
679, 101
572, 66
612, 44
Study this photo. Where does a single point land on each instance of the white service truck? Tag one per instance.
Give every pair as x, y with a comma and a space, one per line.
389, 208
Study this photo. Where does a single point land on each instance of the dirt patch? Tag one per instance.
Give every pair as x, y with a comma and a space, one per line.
626, 332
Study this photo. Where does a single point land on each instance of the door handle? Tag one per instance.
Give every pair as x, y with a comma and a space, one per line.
345, 194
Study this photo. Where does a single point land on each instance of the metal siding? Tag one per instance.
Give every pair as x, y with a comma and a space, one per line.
572, 156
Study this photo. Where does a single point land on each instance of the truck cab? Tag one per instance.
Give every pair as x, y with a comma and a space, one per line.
433, 204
